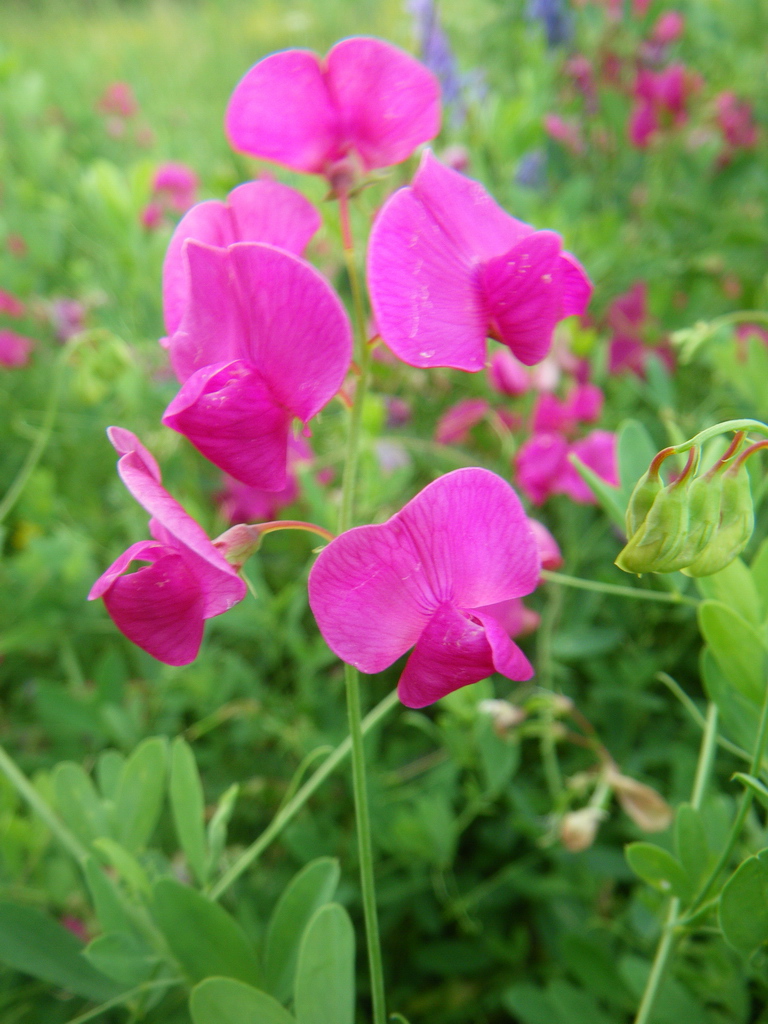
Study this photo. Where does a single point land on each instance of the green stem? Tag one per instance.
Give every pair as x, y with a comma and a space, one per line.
294, 805
697, 716
351, 676
741, 816
124, 997
615, 588
43, 437
664, 949
27, 791
721, 428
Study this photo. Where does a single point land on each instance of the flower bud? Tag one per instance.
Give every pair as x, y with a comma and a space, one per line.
658, 543
736, 523
647, 808
238, 543
704, 497
640, 501
578, 829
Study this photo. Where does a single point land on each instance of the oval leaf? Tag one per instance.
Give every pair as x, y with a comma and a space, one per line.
224, 1001
78, 802
659, 868
188, 806
202, 935
312, 887
737, 647
123, 957
691, 843
744, 906
139, 796
325, 976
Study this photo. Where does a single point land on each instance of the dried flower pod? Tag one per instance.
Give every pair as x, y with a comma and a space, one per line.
578, 829
647, 808
504, 715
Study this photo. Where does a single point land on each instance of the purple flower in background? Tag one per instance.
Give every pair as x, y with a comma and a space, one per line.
429, 577
553, 15
162, 606
435, 49
531, 171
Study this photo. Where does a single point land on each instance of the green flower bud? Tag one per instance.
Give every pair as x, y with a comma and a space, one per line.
657, 545
640, 501
704, 496
736, 523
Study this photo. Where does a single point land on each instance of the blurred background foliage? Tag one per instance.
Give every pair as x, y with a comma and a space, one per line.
486, 916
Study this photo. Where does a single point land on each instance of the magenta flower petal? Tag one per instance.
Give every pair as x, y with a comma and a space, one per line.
508, 659
230, 415
447, 267
282, 110
427, 303
426, 577
507, 374
597, 451
170, 629
523, 291
539, 464
258, 211
125, 442
389, 102
15, 349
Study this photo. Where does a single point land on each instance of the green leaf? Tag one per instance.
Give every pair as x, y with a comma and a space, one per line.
635, 451
398, 1018
744, 905
309, 890
202, 936
757, 787
33, 943
735, 587
759, 570
111, 910
659, 868
188, 806
122, 956
737, 647
224, 1001
691, 843
608, 497
325, 976
738, 715
499, 757
78, 803
125, 864
139, 796
530, 1005
109, 770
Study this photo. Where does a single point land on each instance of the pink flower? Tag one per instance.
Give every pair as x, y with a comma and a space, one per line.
550, 555
162, 606
14, 349
567, 133
669, 27
10, 305
507, 374
640, 7
736, 121
454, 425
583, 405
628, 313
175, 186
543, 469
427, 577
447, 267
119, 99
243, 504
263, 339
366, 97
152, 216
67, 318
661, 101
259, 211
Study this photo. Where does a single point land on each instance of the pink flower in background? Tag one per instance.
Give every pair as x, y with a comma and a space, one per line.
661, 101
16, 245
162, 606
175, 186
118, 99
507, 374
668, 28
15, 349
10, 305
263, 339
259, 211
152, 216
454, 425
366, 97
550, 555
584, 404
629, 319
628, 313
398, 411
567, 133
240, 503
427, 577
581, 70
447, 267
640, 7
735, 118
543, 469
67, 318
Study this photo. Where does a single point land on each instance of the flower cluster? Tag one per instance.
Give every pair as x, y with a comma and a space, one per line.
258, 339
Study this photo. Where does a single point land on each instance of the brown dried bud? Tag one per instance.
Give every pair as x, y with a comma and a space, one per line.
579, 828
647, 808
505, 716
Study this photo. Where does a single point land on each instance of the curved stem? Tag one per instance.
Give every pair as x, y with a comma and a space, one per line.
615, 588
664, 949
125, 997
351, 677
721, 428
27, 791
289, 811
